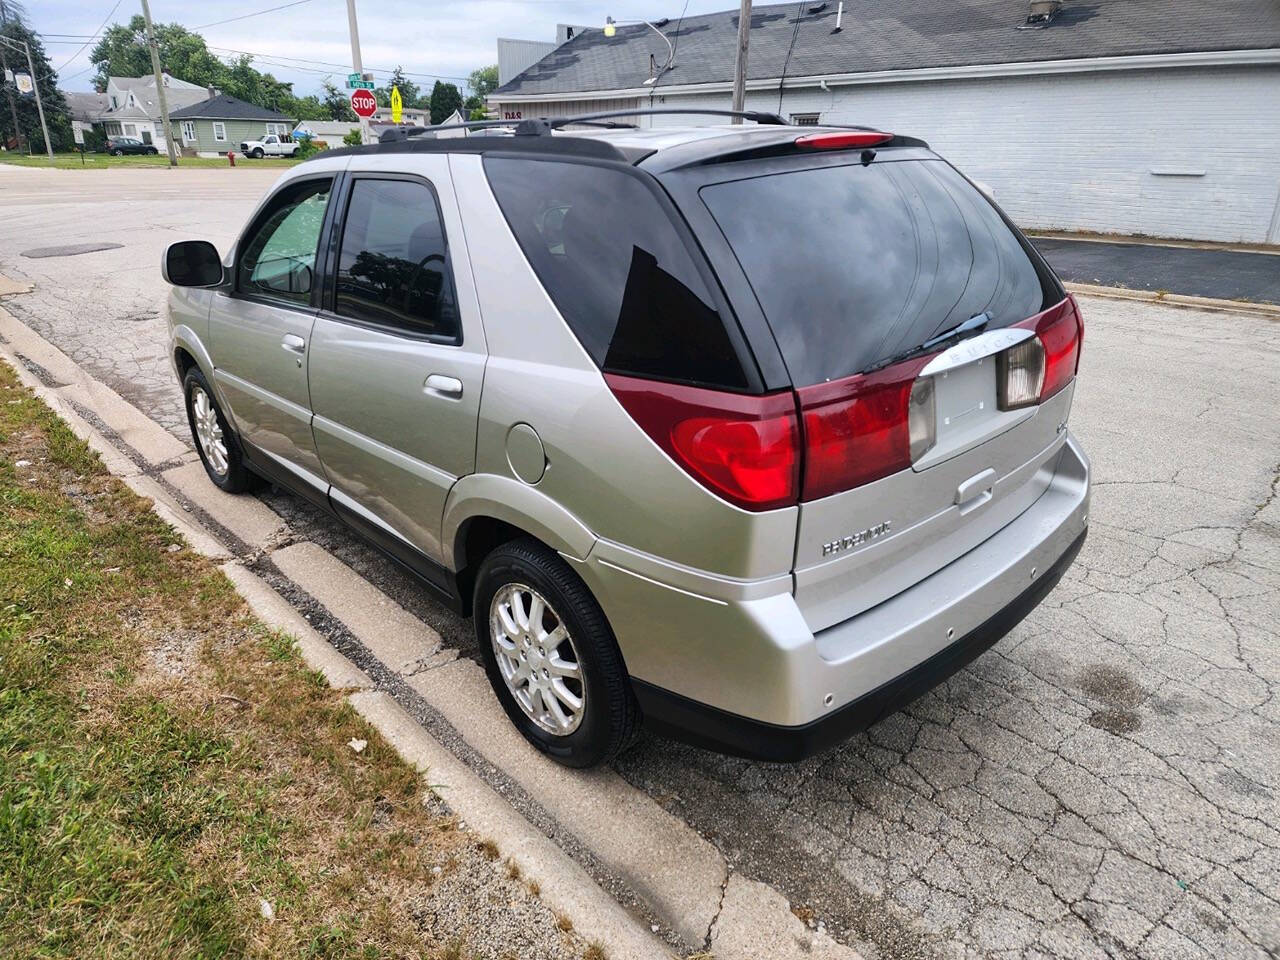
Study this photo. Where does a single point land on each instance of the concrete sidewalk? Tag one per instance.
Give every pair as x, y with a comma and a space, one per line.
1190, 271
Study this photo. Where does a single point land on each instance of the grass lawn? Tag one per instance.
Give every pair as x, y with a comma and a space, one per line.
100, 161
174, 783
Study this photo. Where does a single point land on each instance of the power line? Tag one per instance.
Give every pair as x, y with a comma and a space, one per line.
246, 16
274, 58
91, 38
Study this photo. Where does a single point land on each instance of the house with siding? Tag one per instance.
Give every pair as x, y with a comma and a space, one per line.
130, 106
1155, 117
219, 124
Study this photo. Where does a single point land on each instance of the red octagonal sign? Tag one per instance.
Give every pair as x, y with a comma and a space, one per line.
364, 103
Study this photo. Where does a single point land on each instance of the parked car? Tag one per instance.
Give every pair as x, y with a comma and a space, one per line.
119, 146
751, 433
269, 146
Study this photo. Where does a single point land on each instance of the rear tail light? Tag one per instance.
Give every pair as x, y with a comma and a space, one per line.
746, 449
864, 427
1034, 370
753, 450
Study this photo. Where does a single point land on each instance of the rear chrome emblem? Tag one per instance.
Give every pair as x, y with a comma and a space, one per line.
855, 539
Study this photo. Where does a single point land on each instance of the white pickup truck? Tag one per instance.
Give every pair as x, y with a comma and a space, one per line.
269, 146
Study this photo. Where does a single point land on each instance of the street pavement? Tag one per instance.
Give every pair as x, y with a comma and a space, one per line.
1190, 271
1103, 782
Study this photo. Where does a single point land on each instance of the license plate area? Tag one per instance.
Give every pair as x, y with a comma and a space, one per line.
967, 411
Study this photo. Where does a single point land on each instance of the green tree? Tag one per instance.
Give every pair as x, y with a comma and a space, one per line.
13, 26
336, 104
445, 98
483, 81
122, 52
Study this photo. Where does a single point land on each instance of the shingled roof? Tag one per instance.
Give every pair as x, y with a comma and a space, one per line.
897, 35
223, 107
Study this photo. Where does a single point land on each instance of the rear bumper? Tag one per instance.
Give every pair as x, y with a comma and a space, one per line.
671, 715
736, 667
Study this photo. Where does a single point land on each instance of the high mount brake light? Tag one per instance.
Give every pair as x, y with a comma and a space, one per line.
843, 140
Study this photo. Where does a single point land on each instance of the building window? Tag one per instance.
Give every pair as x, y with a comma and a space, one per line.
804, 119
219, 130
130, 129
276, 128
188, 131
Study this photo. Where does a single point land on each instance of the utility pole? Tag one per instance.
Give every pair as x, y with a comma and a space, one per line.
740, 63
4, 65
160, 95
356, 64
35, 84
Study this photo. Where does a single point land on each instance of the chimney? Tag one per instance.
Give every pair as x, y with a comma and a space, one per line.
1042, 11
212, 92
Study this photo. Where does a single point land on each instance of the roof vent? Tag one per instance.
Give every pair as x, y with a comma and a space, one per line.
1040, 13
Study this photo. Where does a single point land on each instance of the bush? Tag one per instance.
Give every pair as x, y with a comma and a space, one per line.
353, 139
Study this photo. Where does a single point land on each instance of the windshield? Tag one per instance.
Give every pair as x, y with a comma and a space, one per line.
853, 264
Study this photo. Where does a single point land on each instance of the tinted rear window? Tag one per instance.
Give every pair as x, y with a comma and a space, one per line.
611, 260
855, 264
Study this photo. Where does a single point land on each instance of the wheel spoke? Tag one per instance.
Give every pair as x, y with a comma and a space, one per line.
565, 695
564, 668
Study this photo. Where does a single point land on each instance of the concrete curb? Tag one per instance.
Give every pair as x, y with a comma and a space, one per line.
1271, 311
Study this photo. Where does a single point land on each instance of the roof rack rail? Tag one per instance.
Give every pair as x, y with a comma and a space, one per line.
756, 116
543, 126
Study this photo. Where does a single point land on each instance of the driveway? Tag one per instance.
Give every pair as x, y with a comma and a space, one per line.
1103, 782
1191, 271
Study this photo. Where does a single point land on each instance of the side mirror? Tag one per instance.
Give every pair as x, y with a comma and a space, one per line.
192, 263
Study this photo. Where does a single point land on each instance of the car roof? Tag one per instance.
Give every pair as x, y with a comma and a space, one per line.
653, 148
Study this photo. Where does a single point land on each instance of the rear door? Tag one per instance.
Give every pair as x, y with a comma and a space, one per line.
398, 354
860, 270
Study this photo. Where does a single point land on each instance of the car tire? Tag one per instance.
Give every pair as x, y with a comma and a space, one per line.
258, 154
152, 152
215, 442
117, 153
608, 717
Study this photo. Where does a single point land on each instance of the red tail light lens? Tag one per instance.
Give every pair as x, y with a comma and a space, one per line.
844, 140
858, 429
1061, 332
745, 449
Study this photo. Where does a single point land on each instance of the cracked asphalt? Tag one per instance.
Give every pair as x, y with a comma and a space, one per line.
1103, 782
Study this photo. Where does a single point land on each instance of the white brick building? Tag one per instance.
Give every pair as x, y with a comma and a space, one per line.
1158, 117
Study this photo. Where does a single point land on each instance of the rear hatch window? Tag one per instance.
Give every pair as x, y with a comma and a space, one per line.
857, 265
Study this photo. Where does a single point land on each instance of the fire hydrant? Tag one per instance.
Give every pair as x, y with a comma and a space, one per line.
231, 157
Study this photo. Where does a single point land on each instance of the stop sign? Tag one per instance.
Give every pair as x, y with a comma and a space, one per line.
364, 103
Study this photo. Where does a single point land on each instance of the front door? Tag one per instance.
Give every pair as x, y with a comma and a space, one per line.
397, 355
260, 329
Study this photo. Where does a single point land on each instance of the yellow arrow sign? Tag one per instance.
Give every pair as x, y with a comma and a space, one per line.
397, 105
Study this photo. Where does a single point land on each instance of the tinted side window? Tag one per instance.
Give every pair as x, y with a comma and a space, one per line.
854, 265
611, 260
279, 259
393, 268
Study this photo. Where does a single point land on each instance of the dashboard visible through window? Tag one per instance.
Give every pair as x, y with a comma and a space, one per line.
279, 259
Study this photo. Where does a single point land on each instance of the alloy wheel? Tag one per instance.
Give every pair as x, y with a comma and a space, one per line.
537, 658
208, 431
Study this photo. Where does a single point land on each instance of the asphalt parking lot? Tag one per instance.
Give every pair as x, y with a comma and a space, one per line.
1103, 782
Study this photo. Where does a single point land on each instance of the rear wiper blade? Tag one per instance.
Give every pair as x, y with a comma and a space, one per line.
974, 324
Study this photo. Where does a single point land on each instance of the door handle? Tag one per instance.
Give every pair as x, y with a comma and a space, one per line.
293, 343
439, 385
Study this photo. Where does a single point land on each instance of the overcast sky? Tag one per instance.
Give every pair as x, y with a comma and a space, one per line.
309, 40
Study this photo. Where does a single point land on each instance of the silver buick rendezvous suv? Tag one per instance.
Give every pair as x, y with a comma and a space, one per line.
748, 433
